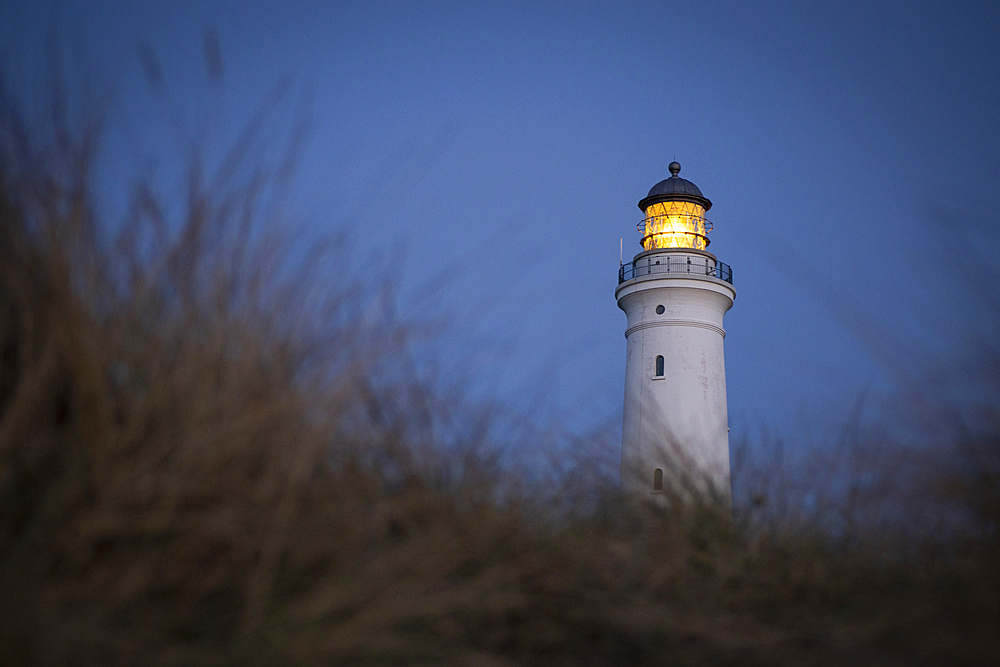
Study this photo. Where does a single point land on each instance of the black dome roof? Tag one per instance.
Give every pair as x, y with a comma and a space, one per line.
675, 188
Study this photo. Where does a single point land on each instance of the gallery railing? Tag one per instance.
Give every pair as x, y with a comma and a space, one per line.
675, 266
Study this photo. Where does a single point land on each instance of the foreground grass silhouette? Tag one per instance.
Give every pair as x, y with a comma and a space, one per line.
208, 459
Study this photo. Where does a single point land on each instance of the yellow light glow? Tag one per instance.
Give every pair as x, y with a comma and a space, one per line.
675, 224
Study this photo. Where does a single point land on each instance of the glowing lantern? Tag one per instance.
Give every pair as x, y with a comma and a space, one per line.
675, 214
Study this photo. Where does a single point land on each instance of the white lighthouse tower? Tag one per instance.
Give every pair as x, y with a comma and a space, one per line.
675, 294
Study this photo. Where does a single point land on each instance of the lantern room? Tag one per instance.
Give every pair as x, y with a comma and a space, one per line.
675, 214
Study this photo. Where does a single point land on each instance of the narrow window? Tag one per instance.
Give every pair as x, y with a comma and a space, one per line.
659, 366
658, 479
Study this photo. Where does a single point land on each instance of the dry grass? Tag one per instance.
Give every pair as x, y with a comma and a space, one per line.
208, 458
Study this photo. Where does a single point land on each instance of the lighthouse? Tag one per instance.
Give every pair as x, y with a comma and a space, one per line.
675, 432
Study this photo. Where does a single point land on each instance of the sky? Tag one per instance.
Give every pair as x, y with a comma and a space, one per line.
849, 149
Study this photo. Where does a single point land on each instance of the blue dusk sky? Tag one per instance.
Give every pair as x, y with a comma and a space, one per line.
849, 148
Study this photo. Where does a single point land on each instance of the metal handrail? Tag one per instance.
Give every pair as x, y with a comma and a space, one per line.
695, 221
641, 225
696, 235
679, 267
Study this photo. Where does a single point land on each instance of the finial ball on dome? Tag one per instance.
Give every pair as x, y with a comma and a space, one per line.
674, 167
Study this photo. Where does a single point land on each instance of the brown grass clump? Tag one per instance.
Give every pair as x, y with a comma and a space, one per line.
206, 459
